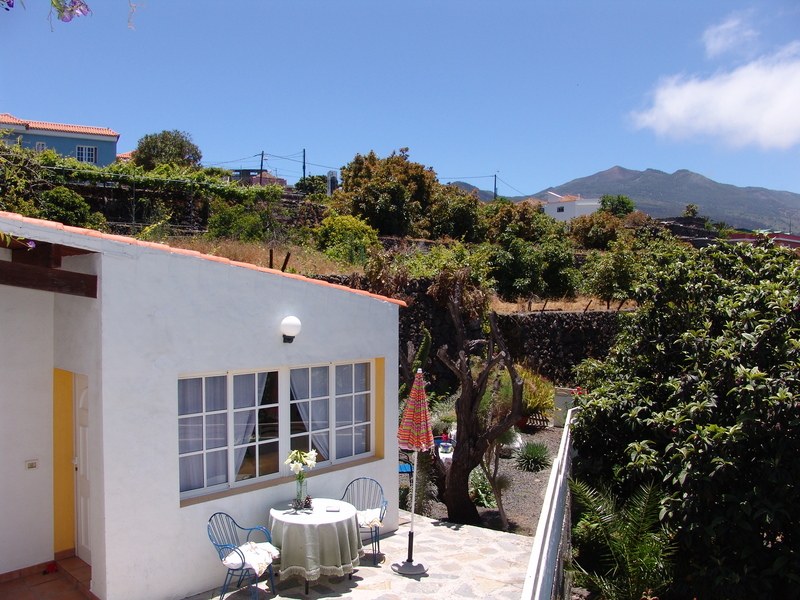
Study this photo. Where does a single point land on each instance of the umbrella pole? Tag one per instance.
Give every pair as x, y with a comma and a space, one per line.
413, 510
408, 567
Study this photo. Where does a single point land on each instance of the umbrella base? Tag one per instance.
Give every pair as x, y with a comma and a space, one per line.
409, 568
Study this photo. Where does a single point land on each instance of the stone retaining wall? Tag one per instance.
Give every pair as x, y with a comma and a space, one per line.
552, 342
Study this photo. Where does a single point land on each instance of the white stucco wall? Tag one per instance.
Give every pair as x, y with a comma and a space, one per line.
184, 315
161, 315
572, 208
26, 427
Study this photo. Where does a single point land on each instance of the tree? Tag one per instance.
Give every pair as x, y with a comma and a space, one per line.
454, 214
612, 275
313, 184
474, 438
595, 231
346, 238
690, 210
168, 147
393, 195
67, 207
616, 205
523, 220
699, 394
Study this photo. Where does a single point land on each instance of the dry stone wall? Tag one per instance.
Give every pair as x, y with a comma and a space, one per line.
552, 342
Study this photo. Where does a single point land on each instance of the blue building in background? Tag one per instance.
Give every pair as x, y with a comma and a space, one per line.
94, 145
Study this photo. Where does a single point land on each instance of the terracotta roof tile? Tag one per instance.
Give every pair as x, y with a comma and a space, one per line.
45, 126
194, 253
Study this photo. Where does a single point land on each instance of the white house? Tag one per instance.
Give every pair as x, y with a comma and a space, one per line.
564, 208
145, 388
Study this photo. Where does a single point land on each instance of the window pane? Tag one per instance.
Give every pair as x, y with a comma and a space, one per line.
361, 377
217, 467
298, 380
319, 414
344, 379
268, 459
361, 408
344, 443
300, 443
321, 443
268, 388
244, 427
319, 382
247, 468
191, 472
268, 423
361, 439
344, 411
190, 435
244, 390
190, 396
216, 430
299, 415
216, 393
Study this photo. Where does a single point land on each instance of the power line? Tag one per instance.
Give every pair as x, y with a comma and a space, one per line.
513, 188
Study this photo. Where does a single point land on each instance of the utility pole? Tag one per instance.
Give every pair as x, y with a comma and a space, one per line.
261, 170
304, 163
495, 186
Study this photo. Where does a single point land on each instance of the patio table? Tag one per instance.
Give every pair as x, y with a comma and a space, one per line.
323, 540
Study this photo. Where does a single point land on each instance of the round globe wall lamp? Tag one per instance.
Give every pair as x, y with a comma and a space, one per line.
290, 327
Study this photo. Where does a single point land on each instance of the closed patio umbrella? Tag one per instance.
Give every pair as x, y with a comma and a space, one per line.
415, 435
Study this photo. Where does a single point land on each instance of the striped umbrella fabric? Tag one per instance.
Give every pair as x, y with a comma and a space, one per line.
415, 432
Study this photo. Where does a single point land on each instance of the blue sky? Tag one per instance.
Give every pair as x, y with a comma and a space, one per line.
536, 92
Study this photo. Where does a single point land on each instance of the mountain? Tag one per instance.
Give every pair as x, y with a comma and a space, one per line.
662, 195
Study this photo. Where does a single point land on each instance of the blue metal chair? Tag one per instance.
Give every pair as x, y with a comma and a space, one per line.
225, 534
405, 467
366, 494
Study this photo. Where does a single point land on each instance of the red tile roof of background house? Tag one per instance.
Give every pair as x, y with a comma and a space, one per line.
45, 126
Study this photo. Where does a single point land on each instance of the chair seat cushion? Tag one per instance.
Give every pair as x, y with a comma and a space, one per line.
370, 517
257, 556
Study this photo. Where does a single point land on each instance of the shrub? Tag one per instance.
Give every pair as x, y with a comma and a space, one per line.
621, 552
238, 222
537, 393
346, 239
480, 490
532, 457
68, 207
699, 394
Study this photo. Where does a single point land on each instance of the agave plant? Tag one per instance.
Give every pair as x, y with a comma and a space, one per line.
533, 457
636, 550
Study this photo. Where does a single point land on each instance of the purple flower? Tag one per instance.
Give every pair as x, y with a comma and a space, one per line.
7, 4
30, 244
74, 8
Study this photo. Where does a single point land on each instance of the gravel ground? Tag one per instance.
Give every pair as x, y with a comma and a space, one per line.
523, 498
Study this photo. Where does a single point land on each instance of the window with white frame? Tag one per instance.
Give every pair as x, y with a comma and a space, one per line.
234, 428
87, 154
40, 147
559, 209
353, 399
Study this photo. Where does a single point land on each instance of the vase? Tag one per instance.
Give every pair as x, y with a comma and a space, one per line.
302, 490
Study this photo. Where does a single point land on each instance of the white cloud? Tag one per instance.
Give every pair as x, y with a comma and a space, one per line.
730, 35
757, 104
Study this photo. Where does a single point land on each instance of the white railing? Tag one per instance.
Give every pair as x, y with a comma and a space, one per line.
546, 566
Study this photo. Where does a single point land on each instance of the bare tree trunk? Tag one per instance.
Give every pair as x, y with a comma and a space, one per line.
473, 440
492, 458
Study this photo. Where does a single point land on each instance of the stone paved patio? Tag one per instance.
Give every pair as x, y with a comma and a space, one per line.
463, 562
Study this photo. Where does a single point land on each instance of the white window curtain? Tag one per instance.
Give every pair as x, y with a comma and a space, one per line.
305, 384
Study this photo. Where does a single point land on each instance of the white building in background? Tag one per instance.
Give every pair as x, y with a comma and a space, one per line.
145, 388
564, 208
